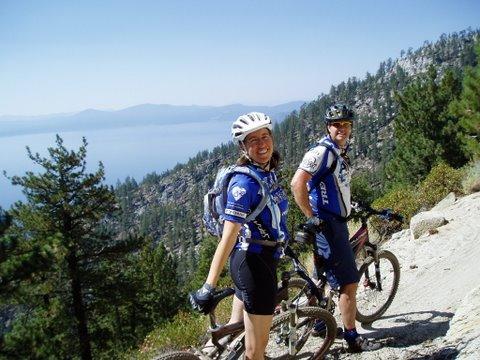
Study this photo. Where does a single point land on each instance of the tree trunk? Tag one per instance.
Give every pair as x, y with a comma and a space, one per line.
79, 308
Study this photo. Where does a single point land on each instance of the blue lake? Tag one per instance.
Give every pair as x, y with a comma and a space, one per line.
130, 151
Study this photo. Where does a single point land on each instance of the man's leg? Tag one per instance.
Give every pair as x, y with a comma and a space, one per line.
348, 304
348, 307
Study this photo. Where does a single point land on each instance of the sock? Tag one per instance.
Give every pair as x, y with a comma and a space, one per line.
350, 335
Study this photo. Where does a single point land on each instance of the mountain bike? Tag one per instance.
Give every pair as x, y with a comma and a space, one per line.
379, 271
291, 328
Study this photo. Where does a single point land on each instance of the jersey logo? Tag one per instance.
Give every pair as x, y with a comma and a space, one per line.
236, 213
238, 192
323, 192
309, 163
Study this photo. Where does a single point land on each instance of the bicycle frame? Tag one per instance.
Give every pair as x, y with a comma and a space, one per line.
220, 334
302, 272
361, 240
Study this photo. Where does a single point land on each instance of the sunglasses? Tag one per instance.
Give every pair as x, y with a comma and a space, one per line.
339, 124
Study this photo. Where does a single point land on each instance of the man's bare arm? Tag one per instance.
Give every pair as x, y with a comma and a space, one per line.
300, 191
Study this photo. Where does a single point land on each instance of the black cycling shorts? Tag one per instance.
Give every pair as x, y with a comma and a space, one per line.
255, 279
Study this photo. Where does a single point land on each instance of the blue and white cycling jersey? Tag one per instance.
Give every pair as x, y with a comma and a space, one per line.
243, 196
329, 192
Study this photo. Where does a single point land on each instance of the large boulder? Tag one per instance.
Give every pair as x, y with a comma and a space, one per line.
426, 222
464, 331
446, 202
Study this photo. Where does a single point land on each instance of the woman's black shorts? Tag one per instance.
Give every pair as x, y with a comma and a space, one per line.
255, 279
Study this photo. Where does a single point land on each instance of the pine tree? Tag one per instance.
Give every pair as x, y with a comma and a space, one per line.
467, 109
425, 131
5, 221
132, 295
63, 207
206, 252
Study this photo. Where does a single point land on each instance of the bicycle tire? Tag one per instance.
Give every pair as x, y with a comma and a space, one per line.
177, 355
372, 302
306, 317
296, 291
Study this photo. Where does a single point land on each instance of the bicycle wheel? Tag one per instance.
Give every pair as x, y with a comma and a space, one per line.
287, 337
295, 291
377, 287
177, 355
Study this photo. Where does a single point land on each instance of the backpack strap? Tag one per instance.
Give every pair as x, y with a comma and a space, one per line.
331, 168
330, 171
268, 243
263, 189
265, 193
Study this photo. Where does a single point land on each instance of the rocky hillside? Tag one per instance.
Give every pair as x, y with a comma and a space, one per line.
168, 207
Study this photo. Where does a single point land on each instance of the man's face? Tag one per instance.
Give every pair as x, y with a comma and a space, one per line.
340, 131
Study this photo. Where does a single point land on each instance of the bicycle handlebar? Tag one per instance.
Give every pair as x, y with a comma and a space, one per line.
305, 232
368, 211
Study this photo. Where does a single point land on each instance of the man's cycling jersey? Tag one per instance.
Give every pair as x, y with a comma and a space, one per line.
329, 191
243, 196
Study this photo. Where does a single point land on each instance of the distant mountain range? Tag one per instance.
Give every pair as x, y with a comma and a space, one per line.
140, 115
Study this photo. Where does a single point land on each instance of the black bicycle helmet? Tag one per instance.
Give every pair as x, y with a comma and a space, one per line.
338, 112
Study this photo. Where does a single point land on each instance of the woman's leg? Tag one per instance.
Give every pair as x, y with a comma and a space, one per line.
257, 328
237, 310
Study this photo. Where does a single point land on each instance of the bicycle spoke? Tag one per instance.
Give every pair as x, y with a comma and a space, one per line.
377, 289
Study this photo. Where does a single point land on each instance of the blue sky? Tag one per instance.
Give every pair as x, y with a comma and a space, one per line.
66, 56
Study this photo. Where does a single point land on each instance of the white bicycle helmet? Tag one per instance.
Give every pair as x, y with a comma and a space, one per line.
248, 123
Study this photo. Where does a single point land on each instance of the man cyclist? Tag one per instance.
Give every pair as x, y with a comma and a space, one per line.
321, 188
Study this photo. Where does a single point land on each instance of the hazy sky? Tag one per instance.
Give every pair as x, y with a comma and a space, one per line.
65, 56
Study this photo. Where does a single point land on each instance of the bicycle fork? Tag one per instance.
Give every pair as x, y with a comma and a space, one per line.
378, 275
288, 332
374, 285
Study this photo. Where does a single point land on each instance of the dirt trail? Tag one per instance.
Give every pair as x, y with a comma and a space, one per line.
437, 272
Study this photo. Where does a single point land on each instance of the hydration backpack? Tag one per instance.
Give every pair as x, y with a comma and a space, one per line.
215, 200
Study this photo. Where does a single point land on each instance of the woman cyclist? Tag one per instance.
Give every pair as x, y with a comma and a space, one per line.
254, 247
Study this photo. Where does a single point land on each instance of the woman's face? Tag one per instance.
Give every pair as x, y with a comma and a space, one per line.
259, 146
340, 131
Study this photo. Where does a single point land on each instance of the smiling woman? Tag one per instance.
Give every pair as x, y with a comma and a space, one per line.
254, 246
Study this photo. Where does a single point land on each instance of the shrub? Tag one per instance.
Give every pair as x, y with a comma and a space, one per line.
182, 332
441, 180
408, 200
401, 199
471, 181
362, 189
